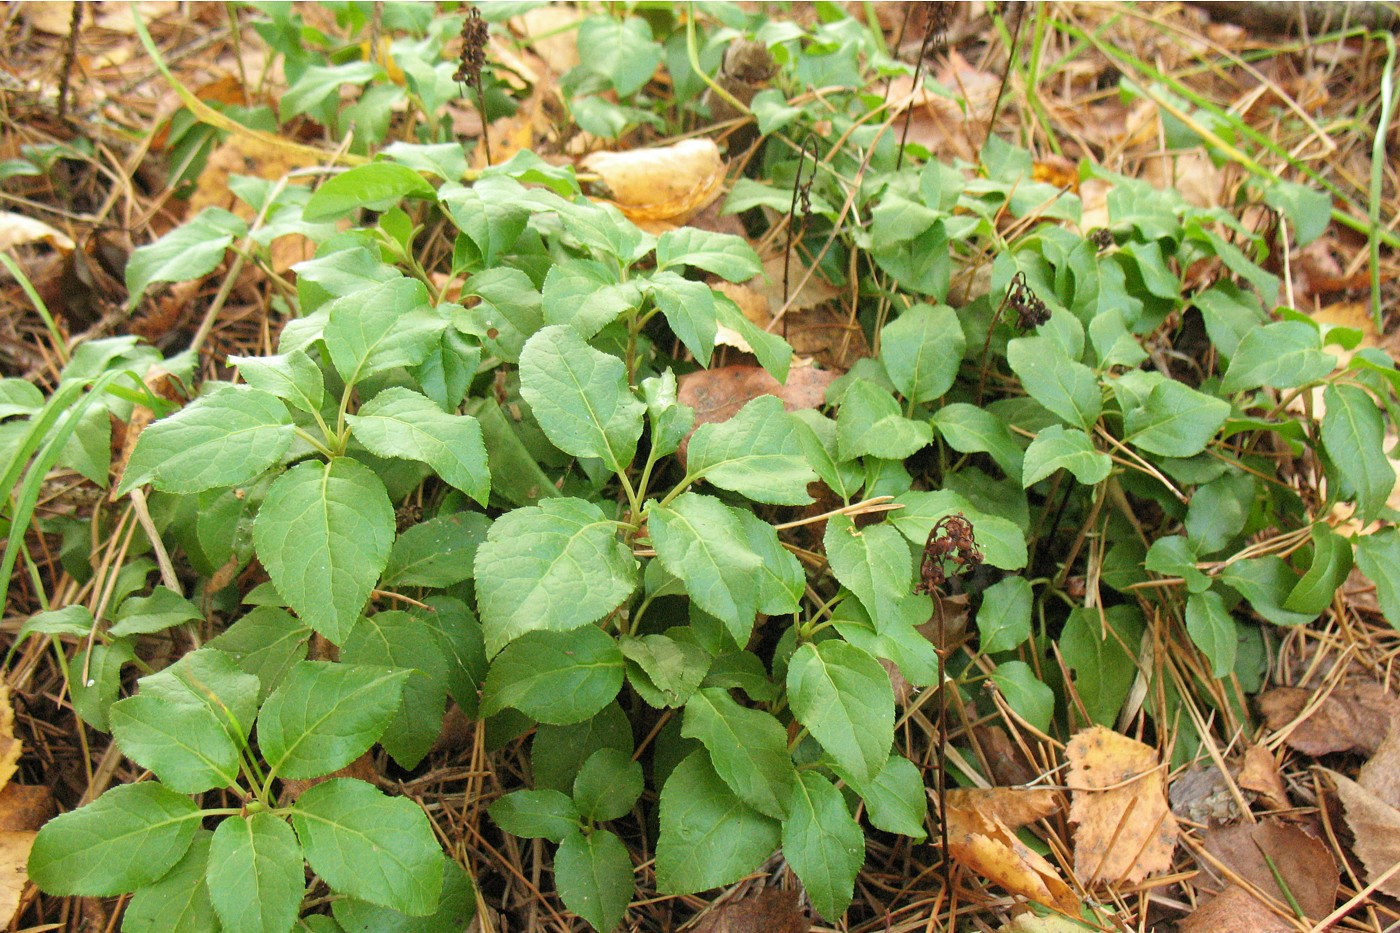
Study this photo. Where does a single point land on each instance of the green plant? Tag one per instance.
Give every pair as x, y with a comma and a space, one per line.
567, 570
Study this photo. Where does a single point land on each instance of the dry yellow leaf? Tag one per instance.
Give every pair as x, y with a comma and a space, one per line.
14, 874
982, 839
17, 229
1125, 830
10, 747
666, 183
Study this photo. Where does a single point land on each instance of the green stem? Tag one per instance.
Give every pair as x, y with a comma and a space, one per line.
60, 348
1378, 165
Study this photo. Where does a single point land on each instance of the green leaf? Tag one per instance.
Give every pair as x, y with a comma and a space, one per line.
781, 579
190, 251
402, 423
376, 848
1308, 210
1002, 541
1213, 630
446, 373
587, 296
1175, 420
818, 436
265, 643
146, 615
824, 844
221, 439
1353, 435
377, 186
1282, 355
728, 256
1103, 657
1028, 698
438, 552
292, 377
318, 84
1266, 582
399, 640
663, 670
870, 424
921, 350
701, 541
456, 908
515, 474
874, 563
608, 785
102, 666
509, 313
773, 353
179, 900
580, 397
536, 814
1057, 447
1331, 563
459, 635
896, 800
381, 327
620, 50
555, 677
756, 453
690, 310
325, 715
1218, 511
1378, 558
189, 721
843, 696
255, 874
323, 534
123, 840
709, 837
969, 430
75, 619
556, 566
748, 749
1004, 620
593, 875
1067, 388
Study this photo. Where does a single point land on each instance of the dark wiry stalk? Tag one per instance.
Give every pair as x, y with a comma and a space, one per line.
1005, 76
475, 33
797, 220
70, 55
938, 12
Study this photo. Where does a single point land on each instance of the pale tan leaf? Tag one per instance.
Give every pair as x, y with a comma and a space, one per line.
1375, 826
10, 747
665, 183
1381, 775
1260, 774
14, 874
982, 842
1124, 828
17, 230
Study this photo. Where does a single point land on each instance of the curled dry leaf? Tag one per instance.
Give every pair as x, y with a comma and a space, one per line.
14, 873
1353, 717
1124, 829
982, 839
1381, 775
1259, 774
666, 183
771, 910
1303, 862
1375, 828
17, 230
1234, 910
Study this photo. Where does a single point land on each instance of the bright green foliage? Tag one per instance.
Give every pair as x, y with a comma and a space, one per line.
402, 423
325, 715
552, 567
709, 837
1058, 447
190, 251
536, 814
874, 563
126, 838
555, 677
895, 799
757, 453
398, 640
921, 350
843, 696
593, 874
701, 541
1353, 436
253, 877
1004, 620
748, 749
376, 848
324, 534
375, 187
455, 910
179, 900
823, 844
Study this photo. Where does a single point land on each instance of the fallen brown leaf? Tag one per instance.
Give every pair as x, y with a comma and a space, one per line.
718, 394
665, 183
1259, 773
14, 874
982, 839
25, 807
1124, 829
1354, 717
771, 910
1375, 829
1381, 774
1234, 910
1304, 862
